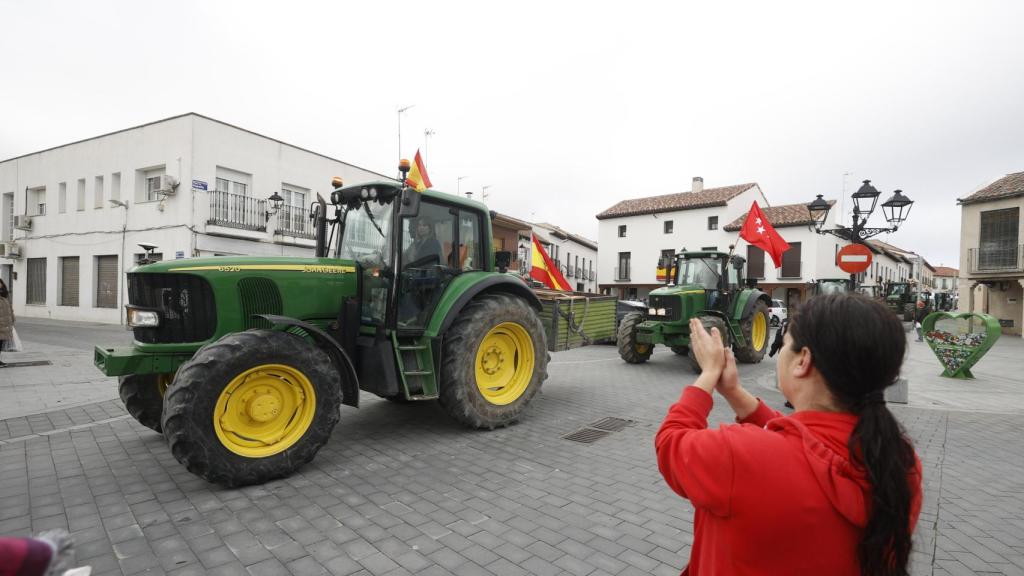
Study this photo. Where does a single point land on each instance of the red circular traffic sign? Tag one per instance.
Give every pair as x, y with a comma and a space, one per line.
854, 258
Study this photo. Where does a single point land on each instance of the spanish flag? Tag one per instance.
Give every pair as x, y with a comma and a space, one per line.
544, 270
417, 177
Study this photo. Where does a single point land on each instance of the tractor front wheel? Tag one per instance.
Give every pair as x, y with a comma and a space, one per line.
143, 397
495, 359
755, 332
629, 349
681, 350
251, 407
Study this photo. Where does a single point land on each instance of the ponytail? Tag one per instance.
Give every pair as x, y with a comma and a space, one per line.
858, 345
880, 447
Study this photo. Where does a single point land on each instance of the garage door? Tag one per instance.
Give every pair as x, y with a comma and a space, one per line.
69, 281
106, 281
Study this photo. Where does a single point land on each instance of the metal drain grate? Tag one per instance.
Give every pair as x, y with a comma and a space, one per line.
611, 424
27, 363
586, 435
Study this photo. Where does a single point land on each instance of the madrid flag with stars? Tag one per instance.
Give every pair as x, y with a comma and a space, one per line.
758, 231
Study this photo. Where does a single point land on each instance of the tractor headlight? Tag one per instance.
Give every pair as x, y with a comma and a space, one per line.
661, 312
364, 194
138, 318
652, 312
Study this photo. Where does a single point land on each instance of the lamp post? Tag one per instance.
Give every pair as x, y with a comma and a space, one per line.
124, 264
276, 202
895, 209
484, 194
458, 185
426, 137
400, 111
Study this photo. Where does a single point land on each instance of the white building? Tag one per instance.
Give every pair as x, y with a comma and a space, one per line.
575, 255
634, 234
73, 216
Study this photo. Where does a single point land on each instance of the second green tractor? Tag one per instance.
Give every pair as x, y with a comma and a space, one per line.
704, 285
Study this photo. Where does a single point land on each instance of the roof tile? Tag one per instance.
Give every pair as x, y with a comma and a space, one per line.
672, 202
779, 216
1007, 186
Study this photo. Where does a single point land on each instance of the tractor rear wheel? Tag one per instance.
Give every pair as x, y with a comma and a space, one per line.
494, 361
143, 397
755, 332
629, 349
251, 407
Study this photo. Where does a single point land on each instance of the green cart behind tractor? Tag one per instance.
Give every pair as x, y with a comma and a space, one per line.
243, 362
704, 285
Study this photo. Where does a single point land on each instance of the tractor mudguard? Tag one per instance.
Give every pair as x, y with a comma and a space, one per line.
340, 358
468, 286
747, 301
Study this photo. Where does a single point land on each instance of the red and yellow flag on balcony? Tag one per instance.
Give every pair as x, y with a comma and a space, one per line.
542, 269
417, 177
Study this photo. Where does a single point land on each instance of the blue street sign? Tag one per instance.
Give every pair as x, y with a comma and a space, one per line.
179, 254
198, 185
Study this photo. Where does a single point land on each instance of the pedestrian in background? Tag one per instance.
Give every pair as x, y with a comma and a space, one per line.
919, 313
6, 320
834, 488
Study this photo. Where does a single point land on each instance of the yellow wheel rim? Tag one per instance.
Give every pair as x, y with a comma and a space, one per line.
641, 348
264, 410
504, 363
759, 331
162, 382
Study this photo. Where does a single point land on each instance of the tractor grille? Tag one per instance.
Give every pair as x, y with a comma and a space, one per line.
673, 306
258, 296
185, 302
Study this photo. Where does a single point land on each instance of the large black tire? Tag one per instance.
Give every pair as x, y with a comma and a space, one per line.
190, 406
681, 350
694, 365
753, 352
460, 396
142, 398
629, 349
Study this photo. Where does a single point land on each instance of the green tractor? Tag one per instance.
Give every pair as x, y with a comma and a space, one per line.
831, 286
243, 362
705, 285
900, 298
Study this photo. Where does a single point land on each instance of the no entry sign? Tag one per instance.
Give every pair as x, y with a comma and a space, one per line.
854, 258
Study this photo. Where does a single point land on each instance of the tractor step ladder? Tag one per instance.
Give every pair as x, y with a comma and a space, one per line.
416, 365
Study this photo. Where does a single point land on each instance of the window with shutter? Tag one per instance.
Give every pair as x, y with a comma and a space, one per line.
69, 281
106, 281
755, 262
35, 292
791, 261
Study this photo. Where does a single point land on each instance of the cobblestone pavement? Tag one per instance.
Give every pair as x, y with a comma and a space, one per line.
401, 489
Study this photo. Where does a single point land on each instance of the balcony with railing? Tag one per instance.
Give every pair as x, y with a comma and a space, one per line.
1001, 260
294, 221
237, 211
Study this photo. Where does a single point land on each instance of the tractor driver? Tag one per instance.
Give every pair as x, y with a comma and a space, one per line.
424, 244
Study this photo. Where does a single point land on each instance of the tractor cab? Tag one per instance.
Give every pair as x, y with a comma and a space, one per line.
409, 247
831, 286
718, 274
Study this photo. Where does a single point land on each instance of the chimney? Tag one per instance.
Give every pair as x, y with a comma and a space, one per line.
469, 195
698, 185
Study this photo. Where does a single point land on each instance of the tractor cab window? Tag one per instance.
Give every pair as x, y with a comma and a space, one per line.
703, 272
470, 255
366, 238
431, 256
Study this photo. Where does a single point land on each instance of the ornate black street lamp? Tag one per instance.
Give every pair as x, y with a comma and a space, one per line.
895, 210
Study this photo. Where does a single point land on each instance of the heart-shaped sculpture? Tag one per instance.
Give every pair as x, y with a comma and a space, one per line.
959, 340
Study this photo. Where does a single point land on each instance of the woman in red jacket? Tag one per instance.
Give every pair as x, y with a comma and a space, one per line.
834, 488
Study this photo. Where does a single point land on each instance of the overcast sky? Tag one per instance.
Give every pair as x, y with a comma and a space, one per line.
563, 108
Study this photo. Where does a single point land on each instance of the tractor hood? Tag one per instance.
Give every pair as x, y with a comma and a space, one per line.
237, 264
673, 290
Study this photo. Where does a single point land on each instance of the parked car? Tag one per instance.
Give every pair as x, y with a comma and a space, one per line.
777, 313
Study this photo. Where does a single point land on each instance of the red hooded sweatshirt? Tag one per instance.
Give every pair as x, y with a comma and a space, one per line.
774, 494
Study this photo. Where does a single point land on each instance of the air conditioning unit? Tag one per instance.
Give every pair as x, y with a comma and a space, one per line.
168, 185
22, 221
11, 250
